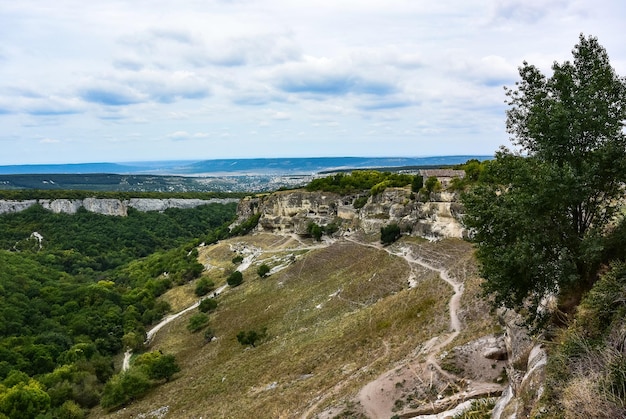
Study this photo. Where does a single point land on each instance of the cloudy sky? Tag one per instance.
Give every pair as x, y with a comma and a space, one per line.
135, 80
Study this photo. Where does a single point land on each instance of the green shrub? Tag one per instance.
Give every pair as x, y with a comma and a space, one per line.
358, 180
315, 231
380, 187
70, 410
24, 400
251, 337
390, 233
432, 184
417, 183
207, 305
157, 365
360, 202
331, 228
235, 279
124, 388
204, 286
197, 322
263, 270
247, 226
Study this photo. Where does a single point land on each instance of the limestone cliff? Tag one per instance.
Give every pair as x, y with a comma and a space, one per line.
527, 361
115, 207
292, 211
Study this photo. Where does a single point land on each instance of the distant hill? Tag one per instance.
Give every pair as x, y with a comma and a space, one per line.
300, 165
223, 175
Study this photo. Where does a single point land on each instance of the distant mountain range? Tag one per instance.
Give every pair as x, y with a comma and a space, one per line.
239, 167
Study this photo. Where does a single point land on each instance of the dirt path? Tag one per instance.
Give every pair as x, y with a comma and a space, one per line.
252, 254
378, 396
150, 334
457, 287
338, 387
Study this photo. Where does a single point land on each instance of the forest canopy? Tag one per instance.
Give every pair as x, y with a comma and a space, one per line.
86, 286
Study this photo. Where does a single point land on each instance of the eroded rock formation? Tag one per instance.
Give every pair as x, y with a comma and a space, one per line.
292, 211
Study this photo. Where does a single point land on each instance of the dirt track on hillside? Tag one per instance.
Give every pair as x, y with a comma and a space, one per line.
379, 397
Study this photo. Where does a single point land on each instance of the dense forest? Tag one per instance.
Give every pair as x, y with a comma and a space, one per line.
76, 289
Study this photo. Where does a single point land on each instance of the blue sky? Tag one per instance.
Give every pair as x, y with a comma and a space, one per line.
138, 80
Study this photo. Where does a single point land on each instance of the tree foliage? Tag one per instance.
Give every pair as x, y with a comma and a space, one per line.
207, 305
417, 183
314, 230
235, 279
263, 270
197, 322
92, 288
124, 388
317, 231
359, 180
251, 337
246, 226
24, 400
157, 366
540, 219
431, 185
204, 286
389, 233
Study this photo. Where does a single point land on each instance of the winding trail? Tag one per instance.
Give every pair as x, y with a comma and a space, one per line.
245, 264
373, 397
150, 334
378, 396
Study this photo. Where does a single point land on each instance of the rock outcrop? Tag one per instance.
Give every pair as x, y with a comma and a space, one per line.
114, 207
526, 371
292, 211
16, 206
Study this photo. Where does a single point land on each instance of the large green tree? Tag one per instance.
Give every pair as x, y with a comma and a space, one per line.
24, 400
540, 215
157, 365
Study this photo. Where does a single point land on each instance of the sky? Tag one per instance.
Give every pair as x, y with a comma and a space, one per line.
138, 80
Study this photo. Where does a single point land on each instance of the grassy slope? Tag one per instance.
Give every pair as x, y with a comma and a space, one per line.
338, 315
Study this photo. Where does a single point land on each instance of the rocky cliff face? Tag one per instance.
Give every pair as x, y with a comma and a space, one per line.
106, 206
527, 361
292, 211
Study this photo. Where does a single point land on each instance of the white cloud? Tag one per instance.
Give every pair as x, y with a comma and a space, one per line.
184, 135
280, 116
430, 72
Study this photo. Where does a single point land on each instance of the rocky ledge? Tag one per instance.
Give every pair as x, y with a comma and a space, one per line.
292, 212
115, 207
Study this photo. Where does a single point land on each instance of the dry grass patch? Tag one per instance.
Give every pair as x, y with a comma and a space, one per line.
336, 318
181, 297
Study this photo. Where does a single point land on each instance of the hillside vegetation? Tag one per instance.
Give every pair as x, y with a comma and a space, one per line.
333, 316
76, 289
305, 328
